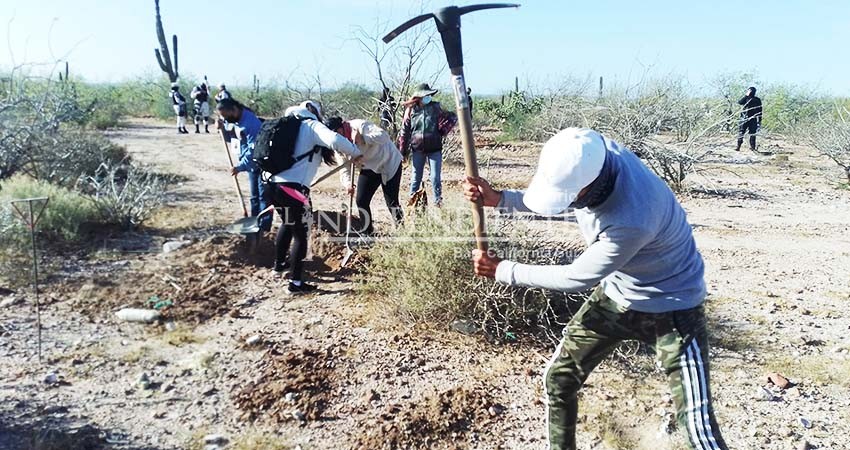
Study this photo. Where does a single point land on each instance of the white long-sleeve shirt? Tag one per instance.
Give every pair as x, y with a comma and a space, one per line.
380, 154
311, 134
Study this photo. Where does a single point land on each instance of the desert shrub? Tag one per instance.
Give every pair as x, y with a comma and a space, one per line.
657, 119
424, 275
32, 114
673, 133
65, 213
787, 107
352, 101
830, 135
61, 222
512, 113
124, 194
65, 157
108, 109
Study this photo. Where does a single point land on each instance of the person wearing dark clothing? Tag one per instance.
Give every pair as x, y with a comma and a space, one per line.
469, 96
368, 183
386, 106
178, 102
423, 128
290, 193
750, 118
223, 93
201, 97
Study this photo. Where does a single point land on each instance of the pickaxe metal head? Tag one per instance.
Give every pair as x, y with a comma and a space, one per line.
448, 24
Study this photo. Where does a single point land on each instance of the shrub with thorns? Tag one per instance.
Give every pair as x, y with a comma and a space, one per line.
830, 136
423, 274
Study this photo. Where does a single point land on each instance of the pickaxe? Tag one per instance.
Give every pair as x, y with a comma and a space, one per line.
448, 24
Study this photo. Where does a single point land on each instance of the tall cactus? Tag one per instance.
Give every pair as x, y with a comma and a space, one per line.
163, 57
67, 75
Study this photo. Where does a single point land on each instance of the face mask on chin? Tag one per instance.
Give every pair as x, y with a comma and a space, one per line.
427, 99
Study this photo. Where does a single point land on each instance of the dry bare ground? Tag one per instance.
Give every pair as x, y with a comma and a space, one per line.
330, 372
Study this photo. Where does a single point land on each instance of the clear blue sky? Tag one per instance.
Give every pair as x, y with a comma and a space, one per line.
794, 41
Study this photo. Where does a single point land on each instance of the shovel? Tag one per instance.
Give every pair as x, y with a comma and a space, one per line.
248, 225
348, 251
235, 179
330, 173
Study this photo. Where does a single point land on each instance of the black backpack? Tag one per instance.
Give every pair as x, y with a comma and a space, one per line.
275, 144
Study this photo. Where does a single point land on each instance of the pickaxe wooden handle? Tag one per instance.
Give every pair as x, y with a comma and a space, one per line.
448, 24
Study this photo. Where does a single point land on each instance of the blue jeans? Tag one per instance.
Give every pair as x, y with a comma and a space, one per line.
435, 162
258, 199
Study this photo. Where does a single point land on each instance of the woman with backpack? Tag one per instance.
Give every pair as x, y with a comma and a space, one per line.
380, 167
289, 191
423, 128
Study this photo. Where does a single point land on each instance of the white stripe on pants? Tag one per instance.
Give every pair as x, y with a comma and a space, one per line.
694, 384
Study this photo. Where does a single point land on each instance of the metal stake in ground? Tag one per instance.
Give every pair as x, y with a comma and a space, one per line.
31, 218
448, 24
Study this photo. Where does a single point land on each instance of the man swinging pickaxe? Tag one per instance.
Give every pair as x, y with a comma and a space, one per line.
448, 24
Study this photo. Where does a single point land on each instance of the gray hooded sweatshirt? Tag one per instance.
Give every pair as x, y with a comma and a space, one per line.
640, 245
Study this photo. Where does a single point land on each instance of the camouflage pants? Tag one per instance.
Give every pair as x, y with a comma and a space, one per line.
681, 345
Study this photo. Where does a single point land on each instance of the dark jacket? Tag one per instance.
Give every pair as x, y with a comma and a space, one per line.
424, 127
752, 108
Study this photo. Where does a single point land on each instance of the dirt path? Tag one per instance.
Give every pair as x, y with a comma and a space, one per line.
776, 244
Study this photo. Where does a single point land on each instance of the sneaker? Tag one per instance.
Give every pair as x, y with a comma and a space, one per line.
304, 288
280, 267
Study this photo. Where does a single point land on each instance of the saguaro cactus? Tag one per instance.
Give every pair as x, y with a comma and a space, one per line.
163, 57
67, 74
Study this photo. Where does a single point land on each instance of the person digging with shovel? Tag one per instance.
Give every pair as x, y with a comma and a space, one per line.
380, 167
643, 260
234, 117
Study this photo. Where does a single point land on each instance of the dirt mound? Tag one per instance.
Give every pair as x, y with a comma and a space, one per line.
329, 251
443, 421
295, 385
195, 283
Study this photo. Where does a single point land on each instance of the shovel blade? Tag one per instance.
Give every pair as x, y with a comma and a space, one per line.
246, 225
348, 254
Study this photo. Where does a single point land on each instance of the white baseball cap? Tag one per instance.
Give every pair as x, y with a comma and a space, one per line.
569, 162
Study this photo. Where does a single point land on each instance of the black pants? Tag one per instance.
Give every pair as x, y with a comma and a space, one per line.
367, 185
750, 126
292, 234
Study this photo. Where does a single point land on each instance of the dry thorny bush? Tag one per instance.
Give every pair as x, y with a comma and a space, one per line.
33, 114
830, 135
43, 137
673, 132
423, 274
125, 194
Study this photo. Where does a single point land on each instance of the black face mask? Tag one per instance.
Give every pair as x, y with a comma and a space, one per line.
600, 189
